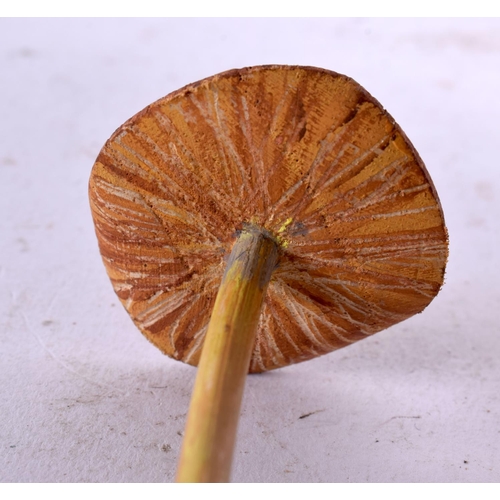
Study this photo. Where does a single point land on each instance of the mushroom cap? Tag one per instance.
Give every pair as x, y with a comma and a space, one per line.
308, 155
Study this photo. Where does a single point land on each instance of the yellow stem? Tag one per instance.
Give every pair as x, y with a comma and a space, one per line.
212, 420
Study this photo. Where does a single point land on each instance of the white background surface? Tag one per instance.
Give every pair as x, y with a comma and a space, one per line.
83, 397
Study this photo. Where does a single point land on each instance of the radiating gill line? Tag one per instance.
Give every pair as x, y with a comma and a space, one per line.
163, 121
326, 147
333, 163
173, 328
200, 221
313, 186
400, 250
429, 255
356, 241
132, 229
401, 193
258, 162
297, 310
265, 331
169, 160
209, 285
285, 197
373, 150
109, 238
101, 217
138, 275
134, 197
118, 286
421, 264
373, 307
105, 209
127, 215
272, 290
148, 279
356, 268
304, 327
312, 263
153, 170
154, 296
367, 309
221, 121
314, 227
371, 199
340, 298
200, 171
199, 338
133, 167
402, 283
292, 130
287, 269
315, 263
190, 219
339, 131
256, 359
158, 259
186, 218
386, 184
345, 171
186, 331
173, 335
397, 213
338, 217
277, 114
139, 200
276, 118
205, 114
361, 325
333, 328
374, 196
165, 305
118, 191
362, 306
354, 250
114, 161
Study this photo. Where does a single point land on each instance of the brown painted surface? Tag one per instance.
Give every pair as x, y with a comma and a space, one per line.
308, 155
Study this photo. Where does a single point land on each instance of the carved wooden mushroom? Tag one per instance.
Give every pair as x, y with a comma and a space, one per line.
294, 188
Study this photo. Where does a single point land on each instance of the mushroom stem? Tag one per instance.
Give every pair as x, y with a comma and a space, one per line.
212, 420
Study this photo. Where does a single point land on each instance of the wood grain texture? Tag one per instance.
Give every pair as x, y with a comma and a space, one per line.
306, 154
